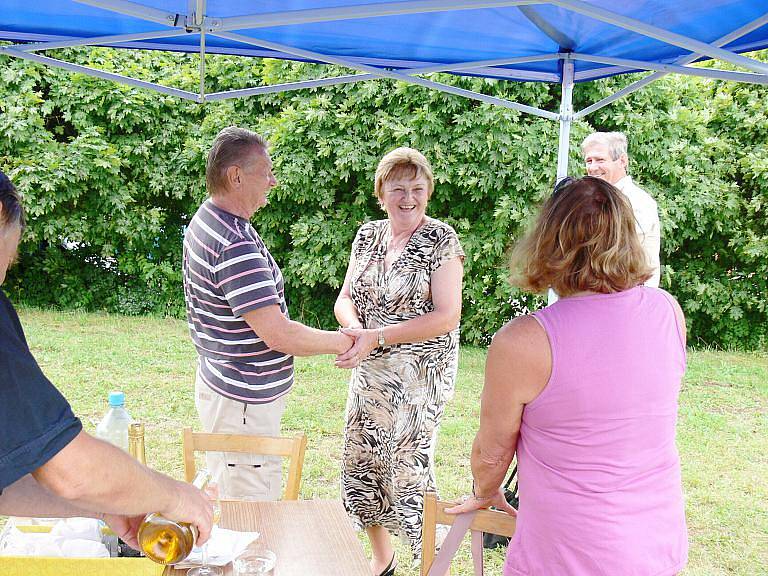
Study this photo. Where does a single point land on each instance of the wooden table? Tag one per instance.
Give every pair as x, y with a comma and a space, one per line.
309, 537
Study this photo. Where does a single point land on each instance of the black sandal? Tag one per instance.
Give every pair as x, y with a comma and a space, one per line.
390, 569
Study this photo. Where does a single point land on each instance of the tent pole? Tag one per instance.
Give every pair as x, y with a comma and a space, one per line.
96, 73
199, 7
748, 77
634, 25
331, 59
735, 35
566, 116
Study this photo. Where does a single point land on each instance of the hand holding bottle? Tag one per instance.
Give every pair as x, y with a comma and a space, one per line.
168, 536
125, 527
193, 506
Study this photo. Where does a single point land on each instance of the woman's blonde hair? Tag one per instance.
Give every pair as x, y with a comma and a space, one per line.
403, 162
584, 239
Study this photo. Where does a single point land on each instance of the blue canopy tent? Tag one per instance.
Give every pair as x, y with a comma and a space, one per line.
558, 41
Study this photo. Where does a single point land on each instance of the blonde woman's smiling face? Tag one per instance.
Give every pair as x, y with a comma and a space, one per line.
405, 200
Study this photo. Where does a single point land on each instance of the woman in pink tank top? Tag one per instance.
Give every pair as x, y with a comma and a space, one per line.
585, 392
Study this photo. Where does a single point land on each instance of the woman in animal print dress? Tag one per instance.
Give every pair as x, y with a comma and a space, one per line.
401, 301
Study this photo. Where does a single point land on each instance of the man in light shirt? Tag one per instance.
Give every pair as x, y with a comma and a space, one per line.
605, 156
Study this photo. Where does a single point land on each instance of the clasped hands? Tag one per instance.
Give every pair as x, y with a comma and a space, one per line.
363, 343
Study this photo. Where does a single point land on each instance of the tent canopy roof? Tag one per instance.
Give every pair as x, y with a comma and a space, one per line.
562, 41
603, 36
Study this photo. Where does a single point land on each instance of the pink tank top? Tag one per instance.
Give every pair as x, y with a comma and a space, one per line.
600, 486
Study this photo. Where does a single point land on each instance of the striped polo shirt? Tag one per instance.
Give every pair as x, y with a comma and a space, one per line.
228, 271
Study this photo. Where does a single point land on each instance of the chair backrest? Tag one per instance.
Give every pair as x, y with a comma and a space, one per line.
292, 448
491, 521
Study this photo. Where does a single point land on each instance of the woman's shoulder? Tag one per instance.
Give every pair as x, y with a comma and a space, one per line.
438, 230
662, 294
435, 224
368, 232
371, 226
521, 351
656, 293
520, 330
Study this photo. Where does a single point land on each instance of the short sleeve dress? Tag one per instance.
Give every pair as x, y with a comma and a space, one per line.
398, 393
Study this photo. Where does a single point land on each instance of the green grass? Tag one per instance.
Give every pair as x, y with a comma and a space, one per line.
723, 428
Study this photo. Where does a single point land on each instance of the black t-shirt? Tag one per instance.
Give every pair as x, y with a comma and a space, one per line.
36, 422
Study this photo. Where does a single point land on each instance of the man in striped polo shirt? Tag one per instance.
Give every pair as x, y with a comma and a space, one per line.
238, 317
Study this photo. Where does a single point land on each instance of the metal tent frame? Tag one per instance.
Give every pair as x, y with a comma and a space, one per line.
196, 21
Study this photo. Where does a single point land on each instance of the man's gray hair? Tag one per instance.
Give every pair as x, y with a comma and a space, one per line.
615, 141
231, 147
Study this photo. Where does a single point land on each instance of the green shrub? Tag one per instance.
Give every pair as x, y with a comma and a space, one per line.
111, 174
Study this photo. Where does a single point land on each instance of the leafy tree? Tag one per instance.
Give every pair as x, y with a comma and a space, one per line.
111, 174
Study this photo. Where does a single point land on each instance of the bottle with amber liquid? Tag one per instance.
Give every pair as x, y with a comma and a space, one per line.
136, 442
166, 541
135, 449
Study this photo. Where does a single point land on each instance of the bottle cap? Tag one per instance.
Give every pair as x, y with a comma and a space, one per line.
116, 398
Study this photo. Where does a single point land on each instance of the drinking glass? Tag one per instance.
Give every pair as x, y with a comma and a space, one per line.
259, 562
212, 489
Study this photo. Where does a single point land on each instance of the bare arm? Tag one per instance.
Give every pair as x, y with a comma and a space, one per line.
344, 309
95, 476
26, 497
445, 284
680, 319
516, 371
295, 338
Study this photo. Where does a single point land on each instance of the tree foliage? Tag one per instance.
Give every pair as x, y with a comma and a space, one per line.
111, 174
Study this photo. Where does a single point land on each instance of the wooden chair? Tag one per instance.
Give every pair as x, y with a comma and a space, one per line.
491, 521
292, 448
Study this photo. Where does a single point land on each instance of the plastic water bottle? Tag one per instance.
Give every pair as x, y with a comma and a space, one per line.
114, 426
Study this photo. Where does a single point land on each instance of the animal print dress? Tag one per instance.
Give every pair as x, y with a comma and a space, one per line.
397, 394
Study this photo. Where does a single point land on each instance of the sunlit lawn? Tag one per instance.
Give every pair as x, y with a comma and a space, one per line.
723, 429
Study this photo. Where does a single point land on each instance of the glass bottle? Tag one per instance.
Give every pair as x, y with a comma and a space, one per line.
166, 541
136, 442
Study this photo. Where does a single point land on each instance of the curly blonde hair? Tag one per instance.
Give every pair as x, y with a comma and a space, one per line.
583, 239
403, 162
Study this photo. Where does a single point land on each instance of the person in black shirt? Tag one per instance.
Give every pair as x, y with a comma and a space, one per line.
48, 465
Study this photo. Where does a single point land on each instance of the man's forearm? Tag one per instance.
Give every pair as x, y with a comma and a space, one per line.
291, 337
301, 340
97, 476
26, 497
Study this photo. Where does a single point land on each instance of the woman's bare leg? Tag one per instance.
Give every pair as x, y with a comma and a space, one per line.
381, 546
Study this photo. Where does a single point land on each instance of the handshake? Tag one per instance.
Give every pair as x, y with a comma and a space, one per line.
355, 344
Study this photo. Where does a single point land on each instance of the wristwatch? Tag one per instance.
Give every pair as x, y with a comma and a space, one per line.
382, 342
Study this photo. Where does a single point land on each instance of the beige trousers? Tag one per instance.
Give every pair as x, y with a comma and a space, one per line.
241, 476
